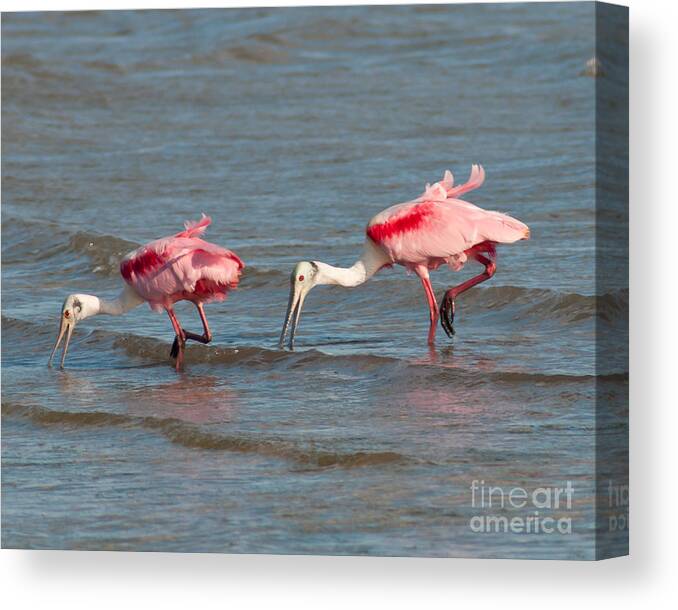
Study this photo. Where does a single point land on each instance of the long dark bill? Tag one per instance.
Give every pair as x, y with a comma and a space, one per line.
65, 328
294, 305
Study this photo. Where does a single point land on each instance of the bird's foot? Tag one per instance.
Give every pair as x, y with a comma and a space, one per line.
177, 352
204, 338
174, 352
447, 309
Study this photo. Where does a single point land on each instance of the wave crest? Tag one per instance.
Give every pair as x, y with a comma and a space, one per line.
193, 437
547, 303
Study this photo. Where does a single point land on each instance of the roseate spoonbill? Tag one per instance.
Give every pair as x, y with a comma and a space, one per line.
434, 229
176, 268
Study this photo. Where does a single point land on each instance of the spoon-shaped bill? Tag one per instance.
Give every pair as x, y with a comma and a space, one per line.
68, 340
288, 317
65, 328
294, 305
297, 315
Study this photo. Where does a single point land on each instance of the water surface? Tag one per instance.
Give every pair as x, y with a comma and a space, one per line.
292, 128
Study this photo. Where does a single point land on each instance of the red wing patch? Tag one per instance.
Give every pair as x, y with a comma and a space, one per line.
410, 221
484, 247
207, 289
141, 264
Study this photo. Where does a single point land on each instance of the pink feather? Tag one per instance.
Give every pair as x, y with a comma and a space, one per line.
438, 228
182, 267
195, 228
474, 181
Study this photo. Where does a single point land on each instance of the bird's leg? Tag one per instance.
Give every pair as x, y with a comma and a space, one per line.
206, 336
179, 344
433, 308
447, 306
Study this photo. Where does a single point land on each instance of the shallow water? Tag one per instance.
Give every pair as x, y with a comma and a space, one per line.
291, 128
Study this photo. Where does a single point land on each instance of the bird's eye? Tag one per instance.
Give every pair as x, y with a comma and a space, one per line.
67, 314
301, 278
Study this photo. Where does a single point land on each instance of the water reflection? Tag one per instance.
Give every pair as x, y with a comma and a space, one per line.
198, 399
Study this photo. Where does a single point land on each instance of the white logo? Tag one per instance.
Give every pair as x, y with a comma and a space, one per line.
539, 511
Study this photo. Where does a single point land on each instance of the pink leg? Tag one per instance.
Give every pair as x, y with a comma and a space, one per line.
433, 309
179, 341
206, 337
447, 306
207, 333
422, 272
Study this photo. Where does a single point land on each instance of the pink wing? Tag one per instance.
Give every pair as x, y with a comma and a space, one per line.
182, 267
195, 228
437, 227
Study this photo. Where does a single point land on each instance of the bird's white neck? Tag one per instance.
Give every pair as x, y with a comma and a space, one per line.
362, 270
93, 305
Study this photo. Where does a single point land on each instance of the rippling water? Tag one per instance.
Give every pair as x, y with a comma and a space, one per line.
291, 128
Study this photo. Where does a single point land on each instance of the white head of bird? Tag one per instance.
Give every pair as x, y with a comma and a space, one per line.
304, 276
77, 307
307, 274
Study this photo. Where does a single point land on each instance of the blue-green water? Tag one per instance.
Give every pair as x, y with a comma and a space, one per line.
291, 128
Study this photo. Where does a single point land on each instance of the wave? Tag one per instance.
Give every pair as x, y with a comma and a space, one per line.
387, 367
22, 326
267, 50
105, 251
258, 277
250, 356
547, 303
193, 437
524, 378
24, 61
40, 241
37, 241
527, 305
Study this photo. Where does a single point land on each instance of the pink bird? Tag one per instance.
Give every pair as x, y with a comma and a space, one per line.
436, 228
182, 267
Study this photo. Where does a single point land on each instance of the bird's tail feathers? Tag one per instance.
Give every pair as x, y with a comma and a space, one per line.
195, 228
448, 181
475, 180
502, 228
